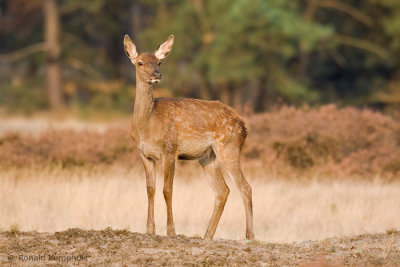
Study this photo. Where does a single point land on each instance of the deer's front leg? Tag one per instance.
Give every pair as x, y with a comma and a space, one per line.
149, 167
169, 169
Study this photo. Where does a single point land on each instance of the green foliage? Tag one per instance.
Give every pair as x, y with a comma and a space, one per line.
237, 41
265, 51
391, 22
23, 97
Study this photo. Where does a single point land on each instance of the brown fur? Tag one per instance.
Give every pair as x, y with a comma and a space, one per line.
168, 129
180, 123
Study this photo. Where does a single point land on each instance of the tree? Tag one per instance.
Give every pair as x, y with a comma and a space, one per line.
52, 42
227, 45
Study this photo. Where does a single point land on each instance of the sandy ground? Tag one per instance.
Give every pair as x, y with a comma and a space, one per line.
111, 247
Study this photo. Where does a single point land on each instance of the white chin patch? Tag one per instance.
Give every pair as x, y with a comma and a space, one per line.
155, 81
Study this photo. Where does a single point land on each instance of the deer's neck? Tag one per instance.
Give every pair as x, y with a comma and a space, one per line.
144, 102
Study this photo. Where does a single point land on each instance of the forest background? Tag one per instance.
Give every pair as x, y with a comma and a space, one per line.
253, 55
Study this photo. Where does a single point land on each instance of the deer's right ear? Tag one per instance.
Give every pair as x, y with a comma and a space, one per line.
130, 48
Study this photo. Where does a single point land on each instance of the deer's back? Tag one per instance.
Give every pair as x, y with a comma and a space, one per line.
200, 118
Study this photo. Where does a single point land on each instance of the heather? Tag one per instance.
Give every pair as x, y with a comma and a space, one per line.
326, 141
289, 142
66, 147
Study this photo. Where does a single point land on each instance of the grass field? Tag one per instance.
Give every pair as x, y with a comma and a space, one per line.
48, 200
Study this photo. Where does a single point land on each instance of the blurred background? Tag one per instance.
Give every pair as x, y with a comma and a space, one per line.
253, 55
317, 82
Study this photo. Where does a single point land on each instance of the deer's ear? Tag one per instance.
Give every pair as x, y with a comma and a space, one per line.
130, 48
165, 48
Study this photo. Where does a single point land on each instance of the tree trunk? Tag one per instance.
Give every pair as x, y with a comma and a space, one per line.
135, 17
304, 57
236, 91
259, 103
224, 94
205, 85
53, 73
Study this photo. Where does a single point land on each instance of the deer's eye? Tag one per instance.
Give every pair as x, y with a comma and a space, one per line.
140, 63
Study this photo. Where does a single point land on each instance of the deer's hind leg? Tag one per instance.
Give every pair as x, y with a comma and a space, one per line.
212, 170
229, 156
169, 170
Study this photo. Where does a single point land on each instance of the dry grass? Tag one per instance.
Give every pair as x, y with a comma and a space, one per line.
55, 199
59, 175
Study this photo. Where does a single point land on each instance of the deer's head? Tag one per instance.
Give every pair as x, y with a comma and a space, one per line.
147, 64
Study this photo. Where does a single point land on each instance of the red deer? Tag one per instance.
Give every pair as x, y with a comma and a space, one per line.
168, 129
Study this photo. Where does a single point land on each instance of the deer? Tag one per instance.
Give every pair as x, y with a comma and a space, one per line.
169, 129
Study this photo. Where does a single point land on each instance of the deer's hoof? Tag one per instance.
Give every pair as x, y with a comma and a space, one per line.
171, 232
250, 236
151, 230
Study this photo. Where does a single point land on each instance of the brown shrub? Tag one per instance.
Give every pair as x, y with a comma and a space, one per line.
326, 141
67, 148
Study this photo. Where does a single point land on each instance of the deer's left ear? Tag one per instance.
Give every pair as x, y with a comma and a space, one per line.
165, 48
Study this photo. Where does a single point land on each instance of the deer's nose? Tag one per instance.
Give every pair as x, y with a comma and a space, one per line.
157, 75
